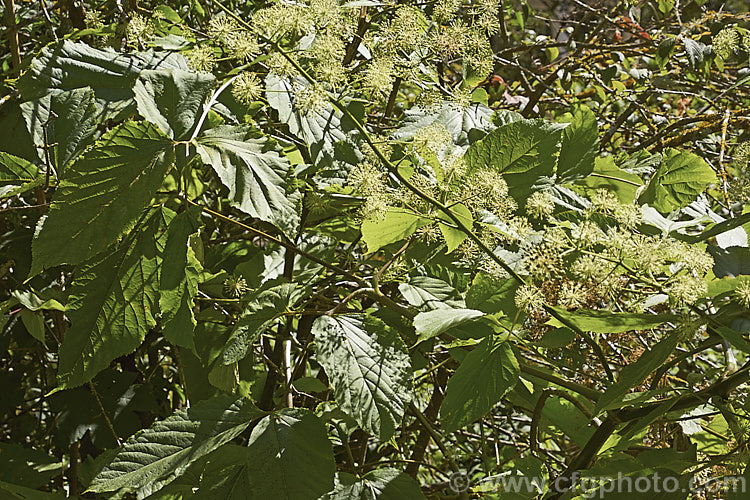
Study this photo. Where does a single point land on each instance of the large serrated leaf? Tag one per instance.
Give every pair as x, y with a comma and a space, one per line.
155, 456
523, 152
172, 99
321, 127
112, 303
368, 367
379, 484
254, 175
493, 295
680, 178
102, 194
607, 175
426, 293
178, 279
70, 121
15, 138
70, 65
484, 377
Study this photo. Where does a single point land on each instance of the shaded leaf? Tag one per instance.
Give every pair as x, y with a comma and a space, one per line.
15, 170
634, 374
378, 484
290, 457
70, 65
485, 375
112, 302
260, 313
102, 194
155, 456
178, 279
172, 99
71, 122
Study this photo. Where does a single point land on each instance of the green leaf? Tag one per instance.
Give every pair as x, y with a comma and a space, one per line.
260, 313
730, 262
635, 373
178, 279
458, 121
172, 99
15, 139
368, 367
253, 173
454, 236
28, 466
102, 194
523, 151
71, 121
17, 492
483, 378
425, 293
607, 175
290, 457
154, 457
492, 295
397, 225
718, 229
70, 65
15, 170
112, 302
432, 323
559, 337
378, 484
580, 145
34, 323
602, 321
680, 178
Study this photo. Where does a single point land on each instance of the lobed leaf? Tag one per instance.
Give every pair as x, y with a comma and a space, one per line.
154, 457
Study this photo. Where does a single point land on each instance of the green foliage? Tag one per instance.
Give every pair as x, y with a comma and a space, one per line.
101, 196
326, 250
484, 377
